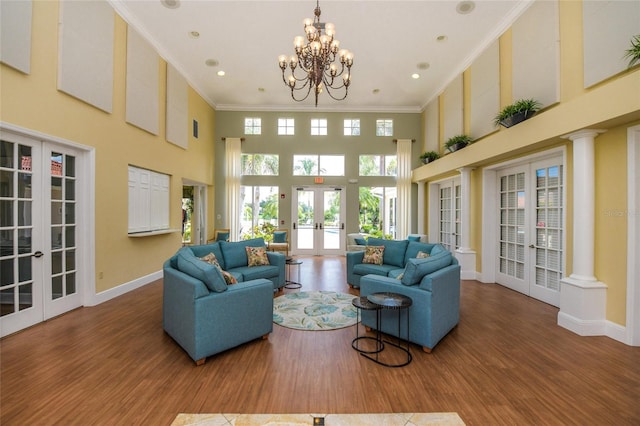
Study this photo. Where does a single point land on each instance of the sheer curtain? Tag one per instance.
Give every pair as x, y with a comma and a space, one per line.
233, 170
403, 203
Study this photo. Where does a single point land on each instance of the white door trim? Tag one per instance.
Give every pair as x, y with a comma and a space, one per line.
633, 240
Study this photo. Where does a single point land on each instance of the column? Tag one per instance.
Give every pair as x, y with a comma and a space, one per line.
465, 255
582, 296
421, 210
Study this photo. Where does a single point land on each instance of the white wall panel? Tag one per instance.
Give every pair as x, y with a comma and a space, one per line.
485, 91
15, 34
142, 83
452, 108
177, 108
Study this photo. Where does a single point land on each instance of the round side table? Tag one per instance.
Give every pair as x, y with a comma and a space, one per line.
363, 303
395, 302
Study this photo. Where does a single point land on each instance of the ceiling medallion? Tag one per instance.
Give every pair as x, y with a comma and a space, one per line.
315, 59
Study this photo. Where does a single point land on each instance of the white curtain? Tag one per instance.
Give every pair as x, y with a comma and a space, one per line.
233, 152
403, 206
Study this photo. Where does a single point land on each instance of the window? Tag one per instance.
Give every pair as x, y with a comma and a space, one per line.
384, 127
377, 215
352, 127
252, 126
148, 200
259, 164
259, 215
318, 165
286, 126
318, 127
378, 165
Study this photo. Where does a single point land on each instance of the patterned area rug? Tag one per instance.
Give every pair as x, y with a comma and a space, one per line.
314, 310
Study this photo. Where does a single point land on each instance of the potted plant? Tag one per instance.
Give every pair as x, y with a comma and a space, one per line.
633, 53
517, 112
457, 142
429, 156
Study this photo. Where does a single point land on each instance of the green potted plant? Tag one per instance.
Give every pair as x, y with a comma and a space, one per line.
517, 112
429, 156
633, 53
457, 142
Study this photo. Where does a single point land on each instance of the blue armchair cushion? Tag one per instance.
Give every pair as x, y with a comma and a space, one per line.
360, 241
416, 269
222, 236
210, 275
415, 238
413, 248
279, 237
235, 254
394, 250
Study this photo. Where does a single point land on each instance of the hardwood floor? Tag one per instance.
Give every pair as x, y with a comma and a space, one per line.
507, 362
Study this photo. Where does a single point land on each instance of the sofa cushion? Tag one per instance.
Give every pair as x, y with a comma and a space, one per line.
235, 254
205, 249
280, 237
438, 248
394, 250
208, 274
414, 247
257, 256
396, 273
416, 269
373, 255
368, 268
255, 272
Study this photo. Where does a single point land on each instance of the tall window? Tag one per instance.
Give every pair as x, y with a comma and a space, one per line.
252, 126
378, 165
352, 127
384, 127
286, 126
318, 127
318, 165
449, 216
260, 164
259, 215
377, 215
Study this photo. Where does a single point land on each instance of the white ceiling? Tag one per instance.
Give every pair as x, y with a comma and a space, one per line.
388, 38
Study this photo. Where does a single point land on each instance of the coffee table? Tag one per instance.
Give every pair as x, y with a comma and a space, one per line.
396, 302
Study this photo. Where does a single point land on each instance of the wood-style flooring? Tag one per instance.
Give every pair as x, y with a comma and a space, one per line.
506, 363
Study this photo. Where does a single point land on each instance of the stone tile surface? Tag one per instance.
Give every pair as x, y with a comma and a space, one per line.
387, 419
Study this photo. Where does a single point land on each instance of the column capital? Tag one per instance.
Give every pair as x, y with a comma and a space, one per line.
584, 133
466, 169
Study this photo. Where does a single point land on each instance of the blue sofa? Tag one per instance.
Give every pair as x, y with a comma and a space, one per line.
206, 316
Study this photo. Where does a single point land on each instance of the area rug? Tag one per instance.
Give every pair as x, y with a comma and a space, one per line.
314, 310
387, 419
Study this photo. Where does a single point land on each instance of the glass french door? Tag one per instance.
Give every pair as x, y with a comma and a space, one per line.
531, 229
318, 221
449, 214
38, 231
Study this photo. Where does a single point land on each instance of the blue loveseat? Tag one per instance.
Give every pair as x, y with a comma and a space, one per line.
433, 283
206, 316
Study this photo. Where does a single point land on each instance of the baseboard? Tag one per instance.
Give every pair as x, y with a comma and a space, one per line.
112, 293
593, 328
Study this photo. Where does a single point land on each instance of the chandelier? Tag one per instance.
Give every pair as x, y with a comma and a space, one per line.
315, 61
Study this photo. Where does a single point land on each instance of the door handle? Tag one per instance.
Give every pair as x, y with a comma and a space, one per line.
320, 226
342, 226
37, 254
532, 246
294, 225
316, 226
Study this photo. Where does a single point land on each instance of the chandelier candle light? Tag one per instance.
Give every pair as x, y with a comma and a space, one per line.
315, 58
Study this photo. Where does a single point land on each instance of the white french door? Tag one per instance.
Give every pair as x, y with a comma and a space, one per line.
39, 261
449, 214
531, 229
318, 220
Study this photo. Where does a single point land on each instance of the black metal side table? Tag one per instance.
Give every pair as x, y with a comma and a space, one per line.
399, 303
362, 303
288, 282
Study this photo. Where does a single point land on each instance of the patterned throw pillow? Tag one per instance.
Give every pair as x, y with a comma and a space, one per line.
422, 255
257, 256
211, 259
373, 255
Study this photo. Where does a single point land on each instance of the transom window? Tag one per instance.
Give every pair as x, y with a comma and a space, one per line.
252, 126
318, 165
286, 126
378, 165
384, 127
352, 127
260, 164
318, 127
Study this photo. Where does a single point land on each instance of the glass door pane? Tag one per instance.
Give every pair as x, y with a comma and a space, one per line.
331, 220
306, 219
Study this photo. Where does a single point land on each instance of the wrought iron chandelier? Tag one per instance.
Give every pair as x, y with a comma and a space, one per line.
316, 59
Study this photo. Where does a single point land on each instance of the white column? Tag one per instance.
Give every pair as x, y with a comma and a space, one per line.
421, 210
465, 255
582, 296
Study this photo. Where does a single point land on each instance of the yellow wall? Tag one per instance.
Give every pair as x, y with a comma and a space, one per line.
33, 101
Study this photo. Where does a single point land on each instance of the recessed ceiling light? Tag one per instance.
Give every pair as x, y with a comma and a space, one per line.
220, 73
415, 76
194, 34
441, 38
423, 65
211, 63
375, 91
465, 7
170, 4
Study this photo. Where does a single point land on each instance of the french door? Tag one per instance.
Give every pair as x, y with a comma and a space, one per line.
449, 214
531, 229
318, 220
39, 258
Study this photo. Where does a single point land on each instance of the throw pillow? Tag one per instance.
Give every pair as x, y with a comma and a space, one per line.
208, 274
212, 260
280, 237
422, 255
257, 256
413, 238
373, 255
360, 241
223, 236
